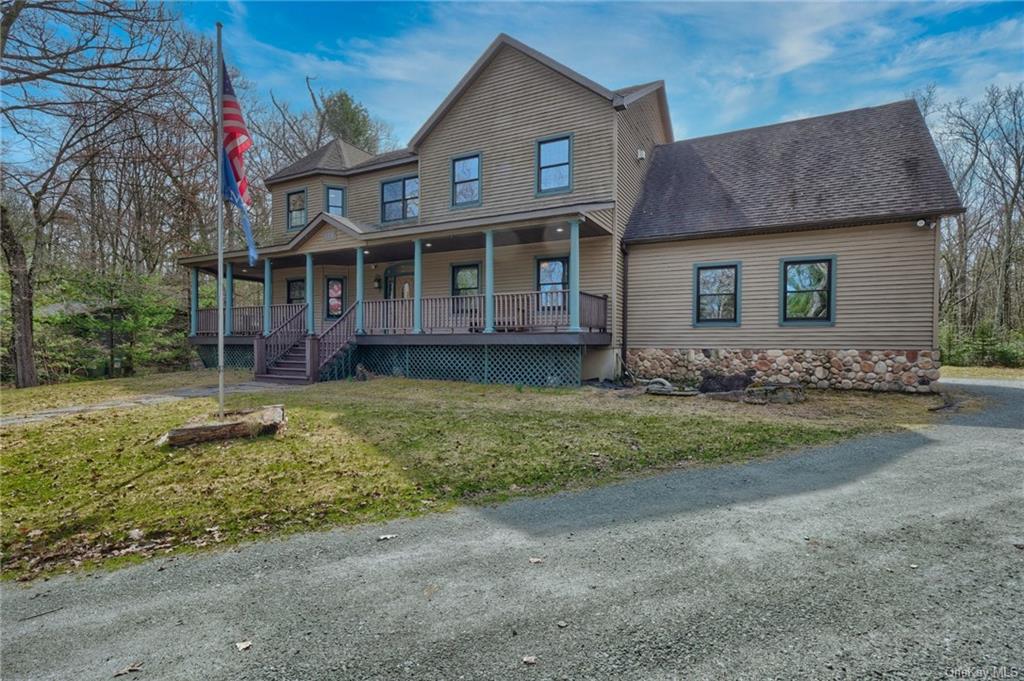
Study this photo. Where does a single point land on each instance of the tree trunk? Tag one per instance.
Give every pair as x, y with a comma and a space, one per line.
22, 303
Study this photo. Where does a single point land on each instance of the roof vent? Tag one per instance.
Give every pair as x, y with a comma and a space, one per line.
641, 154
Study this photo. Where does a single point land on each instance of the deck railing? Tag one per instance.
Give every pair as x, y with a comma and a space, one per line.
247, 320
337, 335
531, 311
453, 314
593, 312
286, 335
387, 316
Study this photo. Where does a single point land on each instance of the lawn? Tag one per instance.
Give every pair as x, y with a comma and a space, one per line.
1007, 373
93, 488
57, 395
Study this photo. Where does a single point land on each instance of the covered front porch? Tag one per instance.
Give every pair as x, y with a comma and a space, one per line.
518, 286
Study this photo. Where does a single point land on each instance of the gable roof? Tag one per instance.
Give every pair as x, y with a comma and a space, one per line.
333, 157
618, 98
877, 164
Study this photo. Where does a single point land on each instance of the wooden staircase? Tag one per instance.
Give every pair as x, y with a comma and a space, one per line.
289, 367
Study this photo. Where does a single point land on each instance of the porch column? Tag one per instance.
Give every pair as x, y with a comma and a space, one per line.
489, 281
417, 286
229, 299
574, 275
310, 319
194, 303
359, 289
268, 296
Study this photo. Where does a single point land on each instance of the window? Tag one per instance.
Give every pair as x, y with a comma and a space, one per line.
296, 291
554, 165
716, 293
552, 281
334, 297
336, 200
296, 203
466, 181
807, 290
400, 199
465, 280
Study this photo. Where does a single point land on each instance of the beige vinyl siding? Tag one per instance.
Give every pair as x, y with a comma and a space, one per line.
314, 186
638, 127
514, 101
884, 297
364, 193
515, 269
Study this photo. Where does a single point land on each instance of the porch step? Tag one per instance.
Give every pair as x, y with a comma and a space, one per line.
279, 378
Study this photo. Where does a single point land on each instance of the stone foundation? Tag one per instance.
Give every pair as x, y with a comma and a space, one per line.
879, 370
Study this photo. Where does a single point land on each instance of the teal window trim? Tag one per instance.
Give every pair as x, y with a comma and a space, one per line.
288, 211
404, 200
288, 290
537, 260
479, 180
328, 278
832, 260
457, 265
327, 199
537, 192
695, 303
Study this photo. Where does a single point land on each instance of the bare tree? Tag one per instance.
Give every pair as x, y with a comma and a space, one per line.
71, 72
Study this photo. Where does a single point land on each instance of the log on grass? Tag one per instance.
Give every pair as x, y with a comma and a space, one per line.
241, 423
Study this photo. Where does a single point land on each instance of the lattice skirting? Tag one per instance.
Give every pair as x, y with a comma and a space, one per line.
235, 356
343, 366
536, 365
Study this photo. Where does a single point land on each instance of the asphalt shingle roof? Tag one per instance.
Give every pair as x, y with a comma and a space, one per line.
878, 163
334, 156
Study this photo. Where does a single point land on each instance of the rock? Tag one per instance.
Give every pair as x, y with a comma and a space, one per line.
136, 534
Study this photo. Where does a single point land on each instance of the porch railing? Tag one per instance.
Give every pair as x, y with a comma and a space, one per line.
593, 312
387, 316
535, 311
452, 314
337, 335
247, 320
285, 336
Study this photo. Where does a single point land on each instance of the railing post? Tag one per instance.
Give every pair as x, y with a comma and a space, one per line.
574, 275
489, 281
417, 287
310, 319
312, 358
194, 304
268, 297
359, 289
259, 355
229, 299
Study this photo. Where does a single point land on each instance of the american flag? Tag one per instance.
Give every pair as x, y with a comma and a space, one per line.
236, 136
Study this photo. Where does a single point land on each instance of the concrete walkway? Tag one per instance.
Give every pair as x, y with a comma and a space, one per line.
141, 401
890, 556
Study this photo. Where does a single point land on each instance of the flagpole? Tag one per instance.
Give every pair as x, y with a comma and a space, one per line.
220, 227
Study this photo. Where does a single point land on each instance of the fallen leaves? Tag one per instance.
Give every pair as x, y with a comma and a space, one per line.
243, 645
386, 537
530, 659
536, 561
130, 669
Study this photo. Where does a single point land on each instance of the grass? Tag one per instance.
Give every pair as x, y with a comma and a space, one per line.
1008, 373
74, 489
27, 400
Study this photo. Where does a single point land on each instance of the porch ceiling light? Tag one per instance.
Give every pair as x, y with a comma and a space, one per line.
428, 245
559, 229
366, 252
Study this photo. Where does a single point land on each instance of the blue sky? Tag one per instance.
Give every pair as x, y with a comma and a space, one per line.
726, 65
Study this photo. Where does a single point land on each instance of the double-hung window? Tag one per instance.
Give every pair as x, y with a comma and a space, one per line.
336, 200
465, 282
295, 203
552, 281
466, 181
400, 199
296, 291
554, 165
807, 290
716, 293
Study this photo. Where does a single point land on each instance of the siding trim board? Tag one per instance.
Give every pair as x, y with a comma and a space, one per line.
793, 260
695, 301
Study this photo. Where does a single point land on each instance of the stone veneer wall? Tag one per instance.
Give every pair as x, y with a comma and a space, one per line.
880, 370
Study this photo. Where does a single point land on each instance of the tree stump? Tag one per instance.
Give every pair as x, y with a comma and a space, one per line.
241, 423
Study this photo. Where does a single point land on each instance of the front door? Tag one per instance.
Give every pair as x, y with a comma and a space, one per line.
398, 286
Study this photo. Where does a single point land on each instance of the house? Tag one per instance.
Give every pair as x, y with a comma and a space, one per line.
543, 229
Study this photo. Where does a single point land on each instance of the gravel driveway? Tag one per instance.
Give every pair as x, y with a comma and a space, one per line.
896, 556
